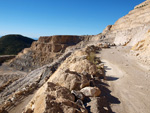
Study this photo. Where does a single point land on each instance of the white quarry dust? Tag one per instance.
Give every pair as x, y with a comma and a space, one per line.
131, 80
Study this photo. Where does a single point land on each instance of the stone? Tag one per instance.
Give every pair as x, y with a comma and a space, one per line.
42, 52
141, 49
78, 95
52, 98
91, 91
75, 72
130, 29
83, 66
71, 80
57, 48
80, 102
107, 29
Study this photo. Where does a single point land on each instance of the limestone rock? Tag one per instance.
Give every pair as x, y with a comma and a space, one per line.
141, 49
91, 91
142, 4
75, 72
131, 28
57, 48
27, 83
83, 66
107, 29
43, 51
78, 95
52, 98
70, 80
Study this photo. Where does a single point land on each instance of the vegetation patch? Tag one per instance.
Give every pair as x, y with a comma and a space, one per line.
13, 44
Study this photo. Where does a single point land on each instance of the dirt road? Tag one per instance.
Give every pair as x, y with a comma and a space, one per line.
130, 80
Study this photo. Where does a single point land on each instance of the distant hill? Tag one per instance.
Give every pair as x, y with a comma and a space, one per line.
13, 44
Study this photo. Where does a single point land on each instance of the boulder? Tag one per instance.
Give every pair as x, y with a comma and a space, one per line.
83, 66
91, 91
52, 98
70, 80
75, 72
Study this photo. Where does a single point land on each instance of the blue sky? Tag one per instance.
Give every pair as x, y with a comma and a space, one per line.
34, 18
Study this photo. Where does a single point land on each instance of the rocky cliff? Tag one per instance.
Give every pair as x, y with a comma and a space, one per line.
141, 49
43, 51
131, 28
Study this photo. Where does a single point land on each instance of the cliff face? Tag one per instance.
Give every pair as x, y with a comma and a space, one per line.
131, 28
43, 51
141, 49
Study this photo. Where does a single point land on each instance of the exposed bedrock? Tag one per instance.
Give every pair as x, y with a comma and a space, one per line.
132, 27
43, 51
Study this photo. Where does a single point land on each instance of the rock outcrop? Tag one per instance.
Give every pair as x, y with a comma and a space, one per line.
43, 51
5, 58
52, 98
141, 49
131, 28
27, 84
65, 91
75, 72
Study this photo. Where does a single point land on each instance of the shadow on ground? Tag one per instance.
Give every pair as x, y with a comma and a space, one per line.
101, 83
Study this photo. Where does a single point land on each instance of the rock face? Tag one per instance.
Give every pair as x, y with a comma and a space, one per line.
29, 82
142, 4
131, 28
52, 98
43, 51
75, 72
141, 49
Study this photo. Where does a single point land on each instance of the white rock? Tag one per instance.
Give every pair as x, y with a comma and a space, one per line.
91, 91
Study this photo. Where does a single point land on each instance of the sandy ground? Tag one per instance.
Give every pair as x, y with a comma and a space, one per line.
130, 80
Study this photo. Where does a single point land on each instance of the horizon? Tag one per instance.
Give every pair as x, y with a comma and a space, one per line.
46, 18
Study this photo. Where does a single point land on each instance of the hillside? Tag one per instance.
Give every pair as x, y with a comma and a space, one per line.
43, 51
13, 44
83, 74
132, 27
